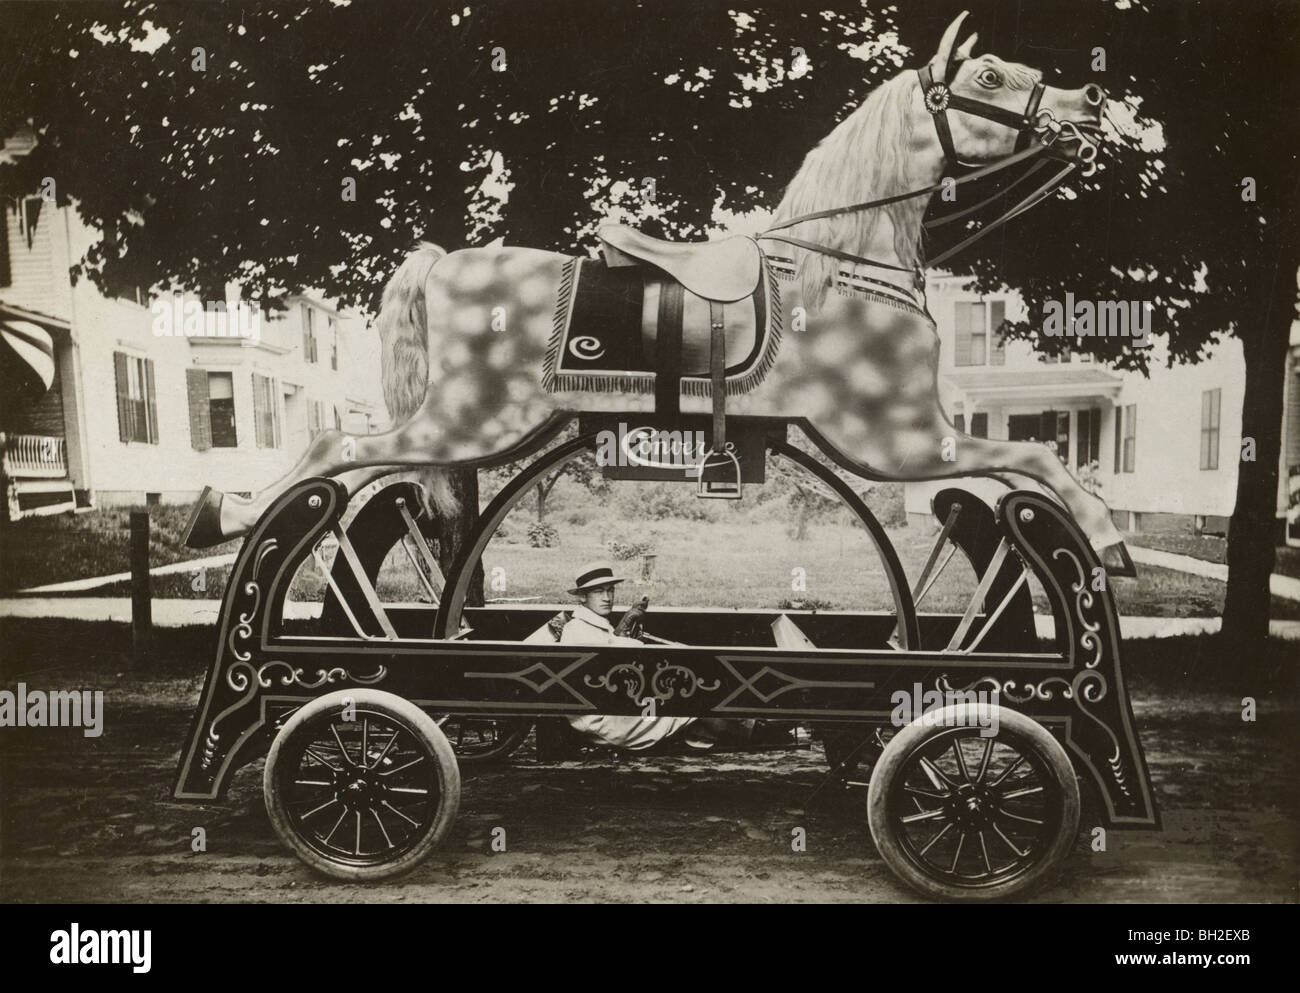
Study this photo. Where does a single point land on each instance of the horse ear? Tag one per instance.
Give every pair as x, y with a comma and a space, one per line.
967, 47
942, 56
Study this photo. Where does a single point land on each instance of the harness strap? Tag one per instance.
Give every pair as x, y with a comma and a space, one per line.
834, 253
1029, 201
979, 173
668, 348
717, 374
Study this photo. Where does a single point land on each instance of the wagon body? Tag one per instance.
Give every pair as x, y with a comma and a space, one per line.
453, 659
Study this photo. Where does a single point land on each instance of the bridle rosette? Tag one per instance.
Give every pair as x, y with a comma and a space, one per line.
936, 98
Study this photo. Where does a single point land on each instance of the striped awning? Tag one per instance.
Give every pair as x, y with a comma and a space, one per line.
31, 345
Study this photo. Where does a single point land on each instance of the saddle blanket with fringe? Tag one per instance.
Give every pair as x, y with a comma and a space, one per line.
607, 329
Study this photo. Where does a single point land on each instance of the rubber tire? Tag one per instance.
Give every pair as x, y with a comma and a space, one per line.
901, 747
508, 746
430, 736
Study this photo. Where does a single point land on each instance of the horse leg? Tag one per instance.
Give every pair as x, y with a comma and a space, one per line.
934, 449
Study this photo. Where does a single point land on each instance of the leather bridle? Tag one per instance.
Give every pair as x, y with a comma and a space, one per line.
939, 100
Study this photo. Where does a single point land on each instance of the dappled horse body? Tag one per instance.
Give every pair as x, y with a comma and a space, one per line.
823, 317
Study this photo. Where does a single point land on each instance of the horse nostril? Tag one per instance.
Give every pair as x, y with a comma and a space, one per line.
1094, 94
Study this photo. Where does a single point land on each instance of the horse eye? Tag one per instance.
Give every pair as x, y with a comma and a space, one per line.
989, 78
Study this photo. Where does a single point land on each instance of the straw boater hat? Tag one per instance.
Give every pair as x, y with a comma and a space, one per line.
592, 575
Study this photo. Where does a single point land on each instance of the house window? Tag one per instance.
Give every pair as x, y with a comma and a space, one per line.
1125, 438
1210, 401
315, 417
977, 333
221, 409
29, 213
137, 408
212, 409
308, 334
334, 343
266, 411
1089, 437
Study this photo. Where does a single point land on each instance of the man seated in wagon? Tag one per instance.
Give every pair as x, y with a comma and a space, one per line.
590, 625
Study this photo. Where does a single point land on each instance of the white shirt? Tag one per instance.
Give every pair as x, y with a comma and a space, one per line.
588, 628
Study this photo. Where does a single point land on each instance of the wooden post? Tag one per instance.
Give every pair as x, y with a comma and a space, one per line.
141, 599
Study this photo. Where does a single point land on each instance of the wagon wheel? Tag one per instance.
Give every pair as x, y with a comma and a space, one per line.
361, 784
963, 817
480, 741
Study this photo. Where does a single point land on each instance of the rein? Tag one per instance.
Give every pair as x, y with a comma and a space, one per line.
939, 98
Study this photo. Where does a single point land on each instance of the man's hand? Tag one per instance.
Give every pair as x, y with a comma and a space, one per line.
630, 625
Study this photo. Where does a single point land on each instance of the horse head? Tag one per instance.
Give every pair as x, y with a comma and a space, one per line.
985, 109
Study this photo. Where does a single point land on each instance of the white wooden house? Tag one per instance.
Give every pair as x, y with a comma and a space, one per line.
120, 414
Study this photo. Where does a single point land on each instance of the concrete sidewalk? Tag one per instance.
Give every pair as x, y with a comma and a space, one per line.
1281, 586
94, 582
181, 613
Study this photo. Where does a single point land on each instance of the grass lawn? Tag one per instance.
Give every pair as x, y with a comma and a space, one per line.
1211, 549
40, 550
741, 563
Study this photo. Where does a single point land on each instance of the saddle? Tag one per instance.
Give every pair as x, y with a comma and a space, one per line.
666, 318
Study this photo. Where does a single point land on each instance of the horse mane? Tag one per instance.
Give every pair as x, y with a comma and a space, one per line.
864, 158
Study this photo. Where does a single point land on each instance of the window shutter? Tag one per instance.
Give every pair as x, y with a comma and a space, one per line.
961, 333
1293, 415
259, 410
4, 246
997, 347
124, 415
151, 403
959, 422
979, 425
1119, 437
196, 387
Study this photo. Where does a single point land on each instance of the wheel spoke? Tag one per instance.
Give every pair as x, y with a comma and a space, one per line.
985, 849
946, 828
365, 743
917, 791
926, 815
407, 789
1017, 794
321, 759
387, 748
327, 837
346, 757
961, 761
952, 869
984, 760
1010, 844
358, 848
1017, 817
418, 758
937, 779
315, 810
311, 782
400, 814
1009, 770
383, 830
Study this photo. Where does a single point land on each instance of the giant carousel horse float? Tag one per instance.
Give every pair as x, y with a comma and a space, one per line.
356, 706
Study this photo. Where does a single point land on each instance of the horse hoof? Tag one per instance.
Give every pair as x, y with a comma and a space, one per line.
204, 528
1117, 561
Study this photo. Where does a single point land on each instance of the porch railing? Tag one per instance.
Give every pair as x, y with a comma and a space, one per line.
34, 456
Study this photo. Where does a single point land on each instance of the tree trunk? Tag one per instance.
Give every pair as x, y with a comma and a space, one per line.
454, 533
1252, 533
541, 503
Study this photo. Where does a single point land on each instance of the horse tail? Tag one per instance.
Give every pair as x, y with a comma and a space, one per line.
403, 325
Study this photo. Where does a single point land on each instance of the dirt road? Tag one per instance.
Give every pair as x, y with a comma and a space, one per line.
91, 820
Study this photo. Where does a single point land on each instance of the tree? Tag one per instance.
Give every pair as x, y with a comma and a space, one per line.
664, 109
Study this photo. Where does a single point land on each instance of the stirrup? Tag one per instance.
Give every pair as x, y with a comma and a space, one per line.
720, 474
